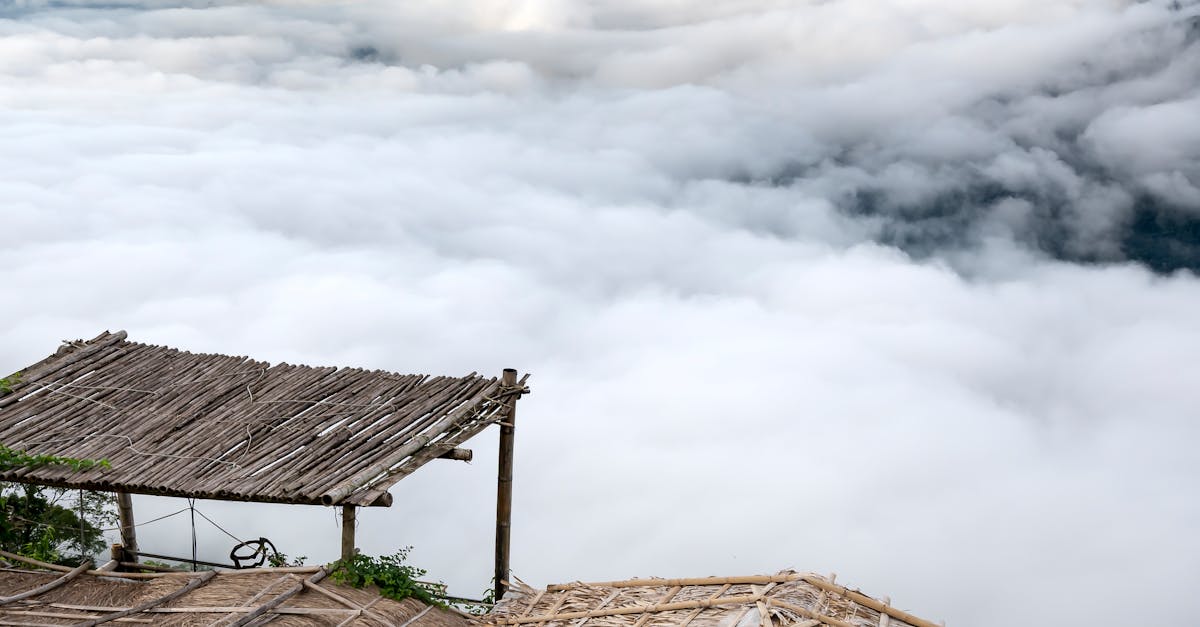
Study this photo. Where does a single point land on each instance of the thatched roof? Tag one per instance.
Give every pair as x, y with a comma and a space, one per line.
786, 599
214, 426
288, 597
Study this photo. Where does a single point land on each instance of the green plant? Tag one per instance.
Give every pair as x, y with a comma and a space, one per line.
6, 383
13, 458
279, 560
51, 524
394, 578
54, 524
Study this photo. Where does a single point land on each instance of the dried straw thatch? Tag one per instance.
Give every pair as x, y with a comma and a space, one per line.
285, 596
212, 426
786, 599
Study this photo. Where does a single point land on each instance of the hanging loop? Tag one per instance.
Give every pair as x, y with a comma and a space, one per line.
252, 553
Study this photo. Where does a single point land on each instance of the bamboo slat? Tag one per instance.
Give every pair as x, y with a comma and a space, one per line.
174, 423
273, 603
867, 601
77, 571
637, 609
196, 582
807, 613
666, 597
696, 612
690, 581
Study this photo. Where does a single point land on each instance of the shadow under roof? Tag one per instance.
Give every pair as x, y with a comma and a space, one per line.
175, 423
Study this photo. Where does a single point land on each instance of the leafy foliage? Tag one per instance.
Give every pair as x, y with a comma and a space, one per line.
6, 383
53, 524
13, 458
394, 578
280, 560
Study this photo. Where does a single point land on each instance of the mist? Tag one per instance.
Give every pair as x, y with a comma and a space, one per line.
900, 290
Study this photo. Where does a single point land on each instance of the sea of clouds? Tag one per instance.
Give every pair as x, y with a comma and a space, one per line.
899, 289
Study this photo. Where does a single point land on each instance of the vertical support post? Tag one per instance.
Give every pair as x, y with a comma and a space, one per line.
128, 527
504, 485
348, 519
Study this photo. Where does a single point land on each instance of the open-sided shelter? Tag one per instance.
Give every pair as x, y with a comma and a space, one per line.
207, 426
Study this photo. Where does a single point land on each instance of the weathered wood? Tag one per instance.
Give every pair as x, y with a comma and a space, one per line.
633, 609
228, 427
77, 571
807, 613
687, 581
71, 616
458, 454
504, 476
196, 582
273, 603
874, 604
349, 520
667, 596
696, 612
126, 520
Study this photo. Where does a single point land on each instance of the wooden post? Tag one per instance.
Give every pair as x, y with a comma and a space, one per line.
348, 517
128, 527
504, 485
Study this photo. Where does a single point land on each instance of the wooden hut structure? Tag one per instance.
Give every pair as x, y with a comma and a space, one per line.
49, 595
786, 599
206, 426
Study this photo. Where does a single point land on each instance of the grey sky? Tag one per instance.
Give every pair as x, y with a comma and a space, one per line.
901, 290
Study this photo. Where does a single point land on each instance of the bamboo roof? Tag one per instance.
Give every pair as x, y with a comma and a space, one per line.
175, 423
787, 599
283, 596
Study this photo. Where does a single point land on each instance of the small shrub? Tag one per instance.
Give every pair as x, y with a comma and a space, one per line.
394, 578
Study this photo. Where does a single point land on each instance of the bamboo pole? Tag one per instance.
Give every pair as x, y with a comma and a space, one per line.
458, 454
196, 582
128, 526
692, 581
635, 609
79, 570
696, 612
807, 613
670, 594
273, 603
504, 475
349, 518
874, 604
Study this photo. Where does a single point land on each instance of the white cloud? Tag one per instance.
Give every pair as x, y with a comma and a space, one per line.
678, 217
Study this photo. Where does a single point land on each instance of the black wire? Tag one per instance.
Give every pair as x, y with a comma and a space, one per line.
218, 526
192, 506
81, 540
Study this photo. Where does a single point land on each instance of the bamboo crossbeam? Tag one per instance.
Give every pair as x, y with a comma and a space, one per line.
203, 609
65, 569
670, 594
807, 613
636, 609
273, 603
874, 604
696, 612
603, 604
71, 616
196, 582
692, 581
77, 571
814, 580
417, 616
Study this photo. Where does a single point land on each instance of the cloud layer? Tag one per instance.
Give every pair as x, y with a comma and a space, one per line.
897, 289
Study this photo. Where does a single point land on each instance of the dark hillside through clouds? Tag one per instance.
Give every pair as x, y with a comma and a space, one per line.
904, 290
